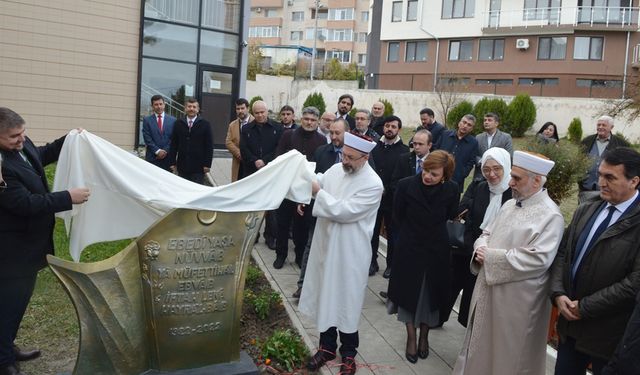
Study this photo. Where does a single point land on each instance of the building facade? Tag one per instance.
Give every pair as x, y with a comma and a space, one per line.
74, 63
341, 32
573, 48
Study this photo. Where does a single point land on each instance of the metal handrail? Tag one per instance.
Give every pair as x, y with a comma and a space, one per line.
174, 108
556, 16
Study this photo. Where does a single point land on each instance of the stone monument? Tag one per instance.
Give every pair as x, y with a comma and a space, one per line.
170, 302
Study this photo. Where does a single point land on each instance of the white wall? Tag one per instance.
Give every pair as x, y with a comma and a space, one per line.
278, 91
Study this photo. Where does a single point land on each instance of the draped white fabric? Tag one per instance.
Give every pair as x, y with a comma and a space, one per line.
129, 194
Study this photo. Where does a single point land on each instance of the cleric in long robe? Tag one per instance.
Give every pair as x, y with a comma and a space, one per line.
347, 199
509, 313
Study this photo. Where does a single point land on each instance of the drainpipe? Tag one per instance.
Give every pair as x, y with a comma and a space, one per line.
626, 61
435, 72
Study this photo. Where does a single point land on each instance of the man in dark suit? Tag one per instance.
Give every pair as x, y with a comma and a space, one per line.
385, 157
258, 143
463, 146
288, 117
377, 117
156, 131
428, 122
191, 145
595, 276
491, 137
345, 103
27, 209
594, 146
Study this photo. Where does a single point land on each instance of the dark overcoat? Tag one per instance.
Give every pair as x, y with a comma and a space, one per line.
420, 213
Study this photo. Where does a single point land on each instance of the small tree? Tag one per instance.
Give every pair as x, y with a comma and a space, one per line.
316, 100
450, 90
486, 105
253, 100
521, 115
456, 113
571, 166
575, 131
388, 107
353, 111
254, 62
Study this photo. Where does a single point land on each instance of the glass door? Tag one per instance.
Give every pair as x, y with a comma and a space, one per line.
217, 93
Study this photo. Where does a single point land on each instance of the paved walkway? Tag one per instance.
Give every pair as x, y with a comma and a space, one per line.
382, 336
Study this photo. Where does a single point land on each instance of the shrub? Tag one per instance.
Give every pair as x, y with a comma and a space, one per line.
571, 166
262, 302
353, 111
316, 100
253, 275
575, 131
486, 105
388, 107
285, 348
456, 113
521, 115
253, 100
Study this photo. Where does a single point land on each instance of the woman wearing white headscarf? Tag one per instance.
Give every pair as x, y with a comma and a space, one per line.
483, 199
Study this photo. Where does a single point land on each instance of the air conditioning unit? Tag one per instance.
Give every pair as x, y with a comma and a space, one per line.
522, 43
258, 10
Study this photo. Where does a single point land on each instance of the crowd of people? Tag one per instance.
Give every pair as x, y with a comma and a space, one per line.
516, 262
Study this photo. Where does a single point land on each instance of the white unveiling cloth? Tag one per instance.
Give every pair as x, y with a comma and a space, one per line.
340, 255
129, 194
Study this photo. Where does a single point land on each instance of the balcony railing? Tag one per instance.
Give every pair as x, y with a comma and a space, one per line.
610, 17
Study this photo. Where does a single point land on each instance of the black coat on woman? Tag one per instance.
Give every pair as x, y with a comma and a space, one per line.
476, 200
420, 213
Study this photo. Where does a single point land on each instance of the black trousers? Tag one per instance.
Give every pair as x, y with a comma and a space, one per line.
270, 225
461, 280
375, 239
286, 215
349, 342
572, 362
14, 296
198, 178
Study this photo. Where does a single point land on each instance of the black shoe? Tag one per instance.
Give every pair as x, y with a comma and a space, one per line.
373, 268
319, 359
383, 294
11, 369
279, 262
348, 366
297, 293
271, 243
26, 355
423, 349
423, 353
387, 273
413, 358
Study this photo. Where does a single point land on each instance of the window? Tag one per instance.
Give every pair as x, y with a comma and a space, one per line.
458, 8
553, 48
297, 35
264, 31
412, 10
541, 10
461, 50
340, 35
218, 48
538, 81
323, 14
364, 16
220, 15
322, 34
362, 37
494, 82
270, 13
170, 41
491, 49
598, 83
416, 51
362, 59
396, 11
453, 81
342, 56
297, 16
588, 48
393, 52
185, 11
605, 11
341, 14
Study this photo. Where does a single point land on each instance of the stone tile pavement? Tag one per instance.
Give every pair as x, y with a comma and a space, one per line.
382, 337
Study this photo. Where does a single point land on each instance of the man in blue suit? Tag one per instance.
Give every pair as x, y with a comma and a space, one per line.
156, 130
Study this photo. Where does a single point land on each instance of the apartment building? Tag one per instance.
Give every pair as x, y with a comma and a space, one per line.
574, 48
341, 26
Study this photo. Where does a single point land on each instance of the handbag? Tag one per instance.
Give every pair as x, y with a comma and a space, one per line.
455, 230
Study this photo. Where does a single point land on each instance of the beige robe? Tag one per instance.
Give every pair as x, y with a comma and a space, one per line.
232, 142
510, 308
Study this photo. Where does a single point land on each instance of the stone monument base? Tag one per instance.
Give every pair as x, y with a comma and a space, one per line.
243, 367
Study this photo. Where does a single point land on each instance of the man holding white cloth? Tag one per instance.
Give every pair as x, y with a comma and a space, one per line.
347, 197
509, 312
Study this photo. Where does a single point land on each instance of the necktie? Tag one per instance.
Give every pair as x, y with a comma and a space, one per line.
601, 228
418, 166
338, 156
190, 123
160, 123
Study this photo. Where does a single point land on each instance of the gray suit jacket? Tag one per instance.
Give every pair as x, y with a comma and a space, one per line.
500, 139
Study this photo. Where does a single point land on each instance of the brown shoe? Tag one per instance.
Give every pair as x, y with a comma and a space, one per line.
319, 359
26, 355
297, 293
348, 366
